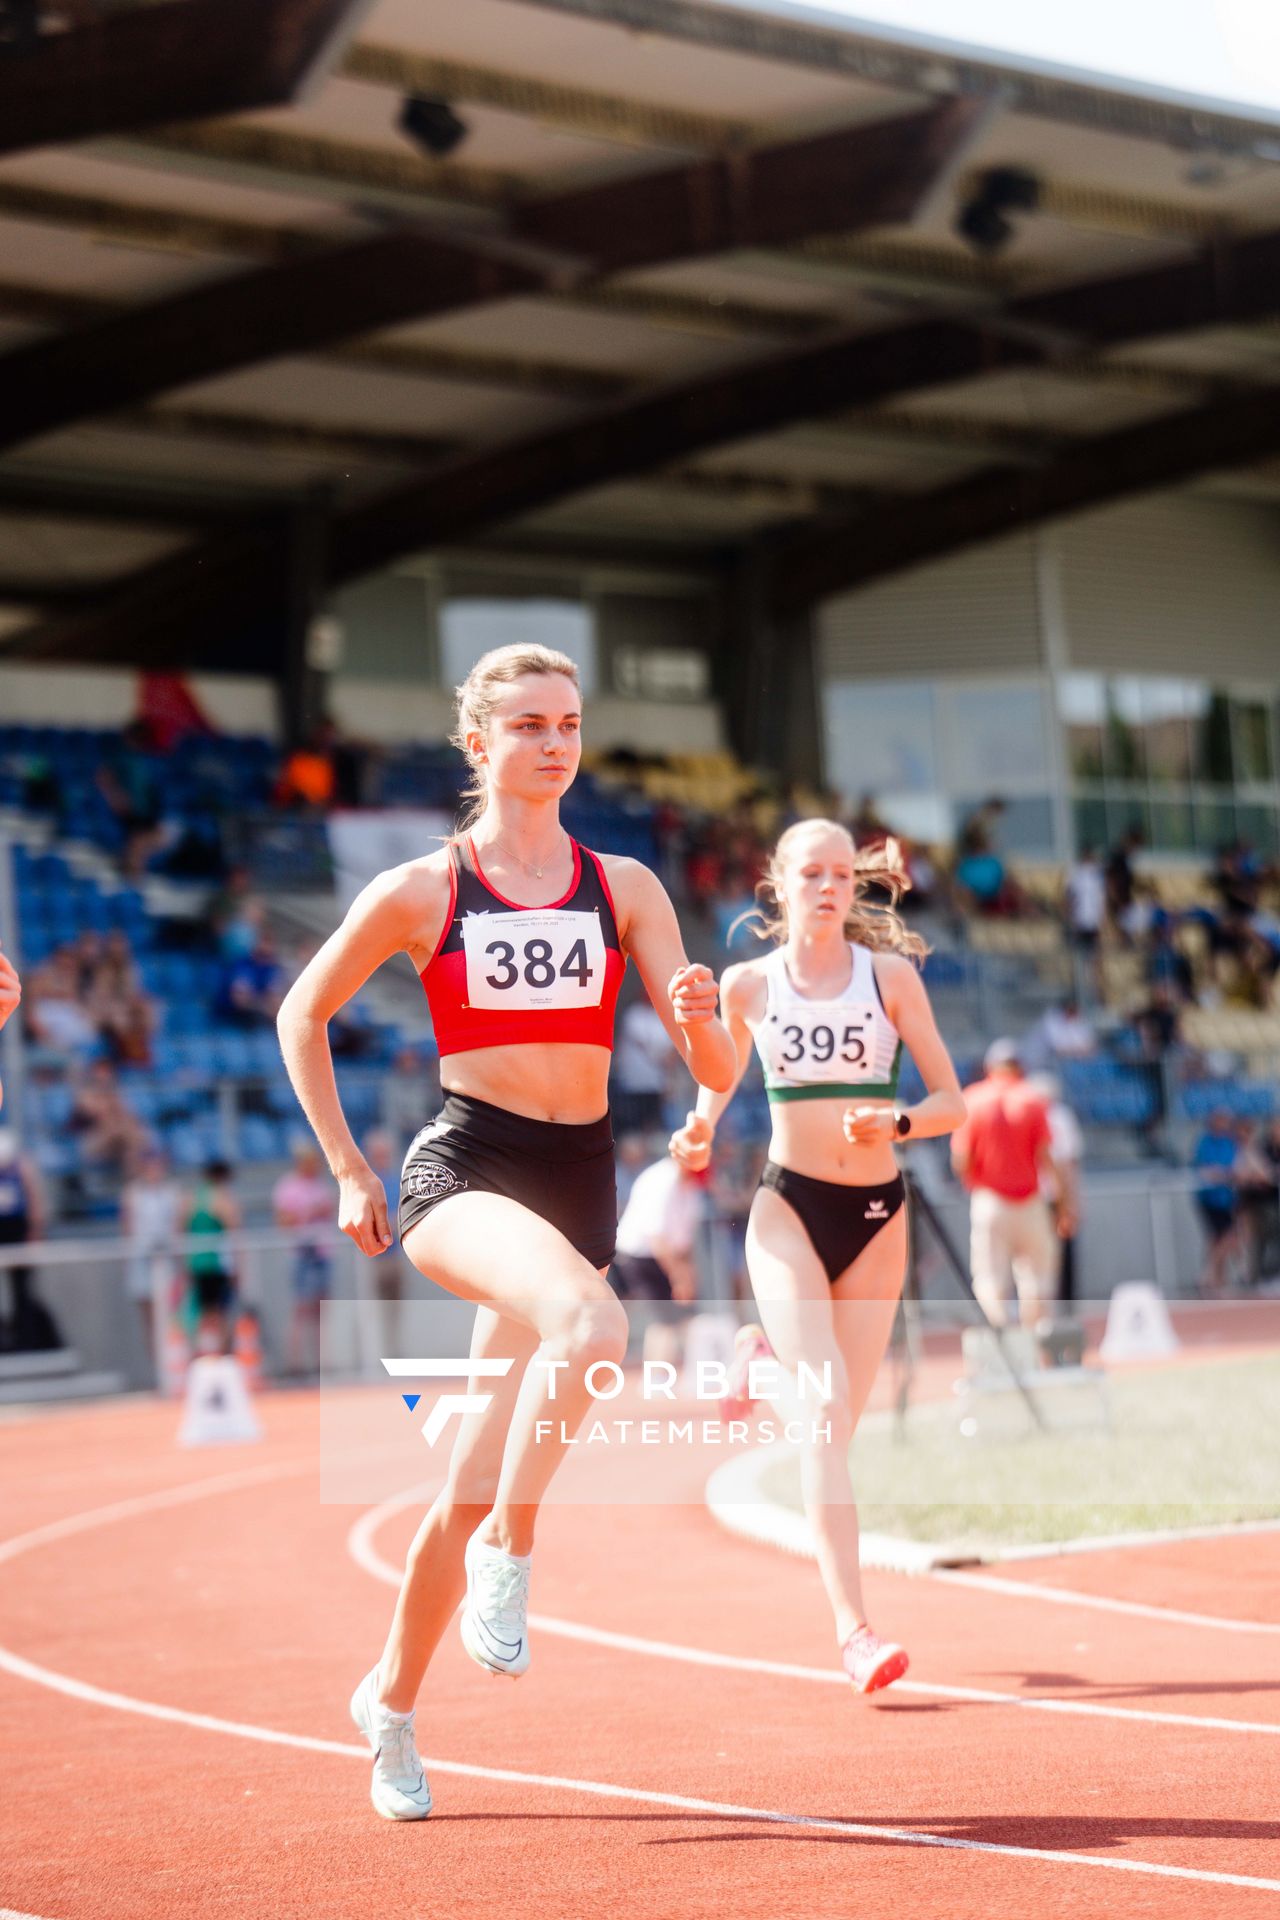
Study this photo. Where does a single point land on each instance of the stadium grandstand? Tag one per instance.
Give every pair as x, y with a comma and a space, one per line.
883, 428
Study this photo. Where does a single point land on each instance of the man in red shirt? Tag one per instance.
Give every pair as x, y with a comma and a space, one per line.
1000, 1153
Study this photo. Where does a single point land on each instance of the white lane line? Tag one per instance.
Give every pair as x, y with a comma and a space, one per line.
146, 1503
608, 1790
1068, 1597
904, 1836
365, 1554
11, 1913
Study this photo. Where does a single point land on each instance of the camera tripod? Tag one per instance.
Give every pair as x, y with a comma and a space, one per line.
919, 1206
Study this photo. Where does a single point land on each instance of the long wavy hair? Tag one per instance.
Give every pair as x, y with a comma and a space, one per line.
475, 700
867, 923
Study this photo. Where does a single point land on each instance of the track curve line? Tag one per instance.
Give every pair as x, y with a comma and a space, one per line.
66, 1684
360, 1544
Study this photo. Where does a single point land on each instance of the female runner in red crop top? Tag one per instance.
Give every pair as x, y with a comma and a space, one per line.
507, 1199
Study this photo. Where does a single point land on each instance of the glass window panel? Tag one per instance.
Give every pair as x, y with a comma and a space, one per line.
1025, 825
1258, 825
1082, 705
880, 737
995, 737
1251, 743
1127, 813
1089, 812
1212, 731
1124, 737
1172, 826
470, 627
1166, 707
1215, 824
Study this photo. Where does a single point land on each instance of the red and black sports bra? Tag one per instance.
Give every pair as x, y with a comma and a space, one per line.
504, 975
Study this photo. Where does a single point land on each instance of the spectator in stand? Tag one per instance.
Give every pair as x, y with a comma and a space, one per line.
27, 1326
1248, 978
151, 1221
1002, 1153
1156, 1033
125, 1016
1214, 1158
1085, 906
237, 916
57, 1018
1237, 879
111, 1134
308, 779
1254, 1178
1167, 967
215, 1214
1144, 913
128, 784
253, 986
305, 1203
1066, 1034
1066, 1144
642, 1062
981, 880
1119, 873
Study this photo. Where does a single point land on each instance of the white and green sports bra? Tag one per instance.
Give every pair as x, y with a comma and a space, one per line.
822, 1049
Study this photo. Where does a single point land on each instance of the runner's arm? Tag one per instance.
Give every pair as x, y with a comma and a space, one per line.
907, 1003
394, 911
683, 995
691, 1143
10, 995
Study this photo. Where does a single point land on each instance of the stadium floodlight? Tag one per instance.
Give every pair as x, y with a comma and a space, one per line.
432, 124
983, 218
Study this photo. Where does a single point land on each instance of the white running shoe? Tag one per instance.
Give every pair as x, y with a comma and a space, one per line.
399, 1790
495, 1619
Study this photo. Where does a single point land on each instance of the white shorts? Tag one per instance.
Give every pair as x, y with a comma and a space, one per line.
1012, 1243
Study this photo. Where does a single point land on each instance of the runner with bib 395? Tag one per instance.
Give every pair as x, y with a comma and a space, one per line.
829, 1010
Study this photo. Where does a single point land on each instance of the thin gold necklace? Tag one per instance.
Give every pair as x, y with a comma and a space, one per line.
536, 872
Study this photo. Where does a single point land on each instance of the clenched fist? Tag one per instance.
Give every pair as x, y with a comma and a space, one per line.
693, 993
690, 1145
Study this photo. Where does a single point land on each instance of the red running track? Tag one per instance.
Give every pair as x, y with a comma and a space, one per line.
215, 1589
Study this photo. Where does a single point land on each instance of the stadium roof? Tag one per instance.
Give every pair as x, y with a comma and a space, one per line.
688, 290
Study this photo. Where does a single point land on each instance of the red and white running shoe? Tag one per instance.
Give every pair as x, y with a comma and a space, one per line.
872, 1663
749, 1344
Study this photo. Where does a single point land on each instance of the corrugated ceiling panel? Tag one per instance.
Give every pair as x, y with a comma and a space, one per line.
1174, 586
976, 612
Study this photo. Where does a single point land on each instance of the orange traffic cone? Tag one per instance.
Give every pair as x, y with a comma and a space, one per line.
247, 1347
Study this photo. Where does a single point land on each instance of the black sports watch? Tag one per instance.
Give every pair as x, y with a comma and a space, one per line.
902, 1125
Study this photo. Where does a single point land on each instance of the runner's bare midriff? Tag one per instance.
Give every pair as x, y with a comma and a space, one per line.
808, 1137
568, 1084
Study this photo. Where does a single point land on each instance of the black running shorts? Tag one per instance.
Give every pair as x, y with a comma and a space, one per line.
563, 1174
840, 1221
